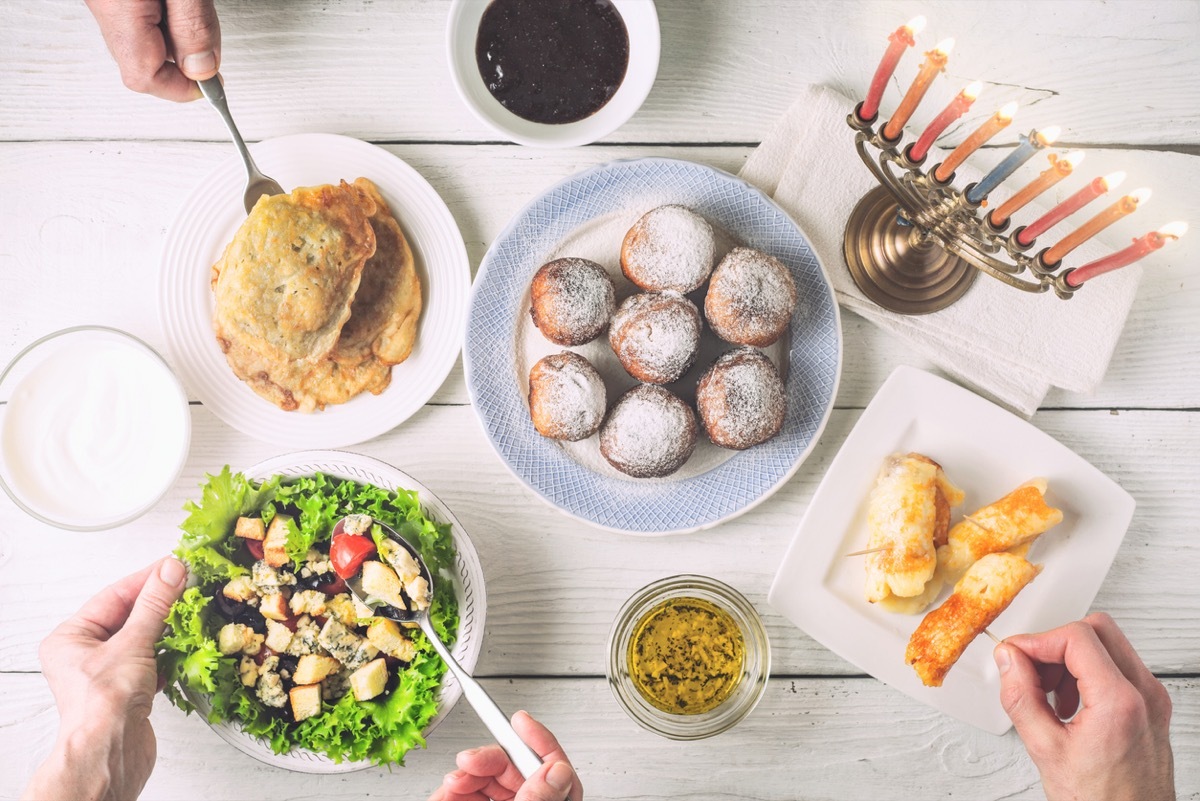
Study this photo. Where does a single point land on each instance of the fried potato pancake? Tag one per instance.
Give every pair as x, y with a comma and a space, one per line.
383, 316
979, 597
1015, 520
286, 281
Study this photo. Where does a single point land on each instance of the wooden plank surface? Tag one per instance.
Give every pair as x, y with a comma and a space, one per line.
89, 248
1105, 71
809, 738
554, 585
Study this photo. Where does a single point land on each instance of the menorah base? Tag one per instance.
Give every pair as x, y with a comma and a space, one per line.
897, 266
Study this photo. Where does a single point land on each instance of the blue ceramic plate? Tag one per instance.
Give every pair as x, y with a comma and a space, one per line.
719, 486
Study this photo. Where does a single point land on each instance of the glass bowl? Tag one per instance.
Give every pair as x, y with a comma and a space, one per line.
94, 428
756, 665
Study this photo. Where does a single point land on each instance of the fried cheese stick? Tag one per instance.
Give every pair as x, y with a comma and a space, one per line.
979, 597
908, 515
1014, 521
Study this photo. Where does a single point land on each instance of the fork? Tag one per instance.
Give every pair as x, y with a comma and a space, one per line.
257, 184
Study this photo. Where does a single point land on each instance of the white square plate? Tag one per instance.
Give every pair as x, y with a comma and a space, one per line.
987, 452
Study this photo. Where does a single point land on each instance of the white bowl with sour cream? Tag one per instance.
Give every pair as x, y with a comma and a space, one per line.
94, 428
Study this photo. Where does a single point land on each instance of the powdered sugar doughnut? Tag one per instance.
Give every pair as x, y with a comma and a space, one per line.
741, 399
751, 298
566, 397
656, 336
571, 301
649, 433
670, 247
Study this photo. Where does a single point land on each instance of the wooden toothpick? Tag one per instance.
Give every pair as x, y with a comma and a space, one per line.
868, 550
995, 639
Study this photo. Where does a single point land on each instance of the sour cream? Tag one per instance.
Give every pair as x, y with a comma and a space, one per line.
95, 431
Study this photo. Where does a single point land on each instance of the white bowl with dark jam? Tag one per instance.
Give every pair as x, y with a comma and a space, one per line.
688, 657
553, 73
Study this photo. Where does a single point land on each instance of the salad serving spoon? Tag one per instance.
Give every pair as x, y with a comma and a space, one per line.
257, 184
523, 757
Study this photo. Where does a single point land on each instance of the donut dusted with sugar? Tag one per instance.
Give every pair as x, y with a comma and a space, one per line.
741, 399
670, 247
566, 397
571, 301
751, 298
649, 433
656, 336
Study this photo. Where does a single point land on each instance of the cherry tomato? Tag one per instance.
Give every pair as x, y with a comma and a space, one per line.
348, 552
255, 547
291, 621
263, 653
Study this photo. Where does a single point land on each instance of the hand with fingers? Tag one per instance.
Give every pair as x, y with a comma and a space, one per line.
1106, 735
100, 667
162, 47
487, 774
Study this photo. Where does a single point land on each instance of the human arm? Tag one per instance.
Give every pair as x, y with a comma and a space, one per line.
100, 667
487, 774
162, 48
1107, 736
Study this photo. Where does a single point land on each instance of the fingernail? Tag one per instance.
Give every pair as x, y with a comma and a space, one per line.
171, 571
560, 776
198, 63
1003, 660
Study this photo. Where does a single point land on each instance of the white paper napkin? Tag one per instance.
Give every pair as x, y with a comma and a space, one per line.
1011, 345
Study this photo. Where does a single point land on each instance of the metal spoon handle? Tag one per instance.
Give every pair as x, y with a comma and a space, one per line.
524, 757
214, 90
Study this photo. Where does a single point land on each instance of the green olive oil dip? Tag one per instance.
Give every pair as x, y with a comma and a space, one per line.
686, 656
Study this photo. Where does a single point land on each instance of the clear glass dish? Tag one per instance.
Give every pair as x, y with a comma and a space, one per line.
756, 666
145, 403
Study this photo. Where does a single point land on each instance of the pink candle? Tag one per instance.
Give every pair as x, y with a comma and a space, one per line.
1068, 207
1140, 247
958, 107
899, 40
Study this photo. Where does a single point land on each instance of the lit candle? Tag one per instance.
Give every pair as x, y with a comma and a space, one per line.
900, 39
995, 123
935, 62
1059, 168
1023, 152
958, 107
1068, 207
1126, 205
1140, 247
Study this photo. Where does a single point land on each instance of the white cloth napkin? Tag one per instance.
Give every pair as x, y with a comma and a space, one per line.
1012, 345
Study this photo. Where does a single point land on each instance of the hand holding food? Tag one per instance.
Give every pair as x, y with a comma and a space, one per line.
100, 666
1116, 746
487, 773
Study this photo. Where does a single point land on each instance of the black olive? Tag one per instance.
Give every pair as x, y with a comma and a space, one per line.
227, 607
288, 662
312, 582
253, 618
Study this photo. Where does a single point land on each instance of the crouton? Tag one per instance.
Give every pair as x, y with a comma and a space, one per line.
306, 701
275, 544
250, 528
369, 680
312, 668
382, 582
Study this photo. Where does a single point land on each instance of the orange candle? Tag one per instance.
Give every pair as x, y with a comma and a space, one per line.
935, 62
900, 40
1140, 247
1059, 168
1126, 205
996, 123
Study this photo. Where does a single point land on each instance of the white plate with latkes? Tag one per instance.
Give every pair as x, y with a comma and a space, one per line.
587, 216
468, 586
207, 221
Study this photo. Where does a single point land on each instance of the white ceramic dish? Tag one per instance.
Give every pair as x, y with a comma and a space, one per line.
641, 22
986, 451
468, 583
208, 219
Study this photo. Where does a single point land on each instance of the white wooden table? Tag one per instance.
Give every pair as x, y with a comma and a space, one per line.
91, 176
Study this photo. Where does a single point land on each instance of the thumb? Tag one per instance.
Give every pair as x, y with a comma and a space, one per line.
551, 783
195, 36
1024, 700
148, 616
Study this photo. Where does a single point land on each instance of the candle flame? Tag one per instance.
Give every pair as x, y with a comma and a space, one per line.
1074, 158
945, 46
972, 91
1140, 196
1113, 180
1173, 230
916, 24
1007, 111
1048, 135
